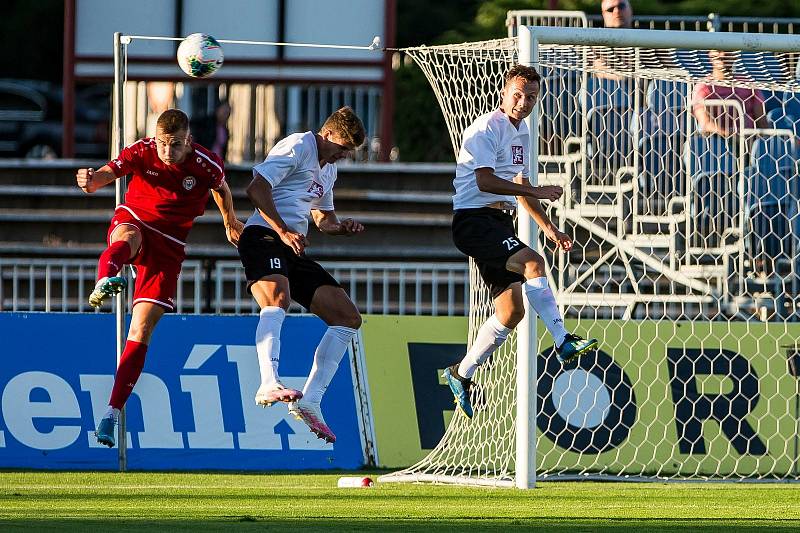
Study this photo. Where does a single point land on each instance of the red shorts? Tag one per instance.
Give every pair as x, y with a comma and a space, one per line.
158, 262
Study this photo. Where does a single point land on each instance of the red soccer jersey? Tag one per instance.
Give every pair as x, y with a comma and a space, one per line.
168, 197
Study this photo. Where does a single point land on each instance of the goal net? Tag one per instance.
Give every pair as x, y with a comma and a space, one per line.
680, 170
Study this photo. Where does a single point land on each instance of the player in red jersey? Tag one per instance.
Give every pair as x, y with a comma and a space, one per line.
171, 178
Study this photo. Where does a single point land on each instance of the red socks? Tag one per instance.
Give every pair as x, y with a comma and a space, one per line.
128, 372
113, 259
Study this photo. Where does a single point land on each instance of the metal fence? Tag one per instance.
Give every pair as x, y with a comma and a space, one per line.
383, 288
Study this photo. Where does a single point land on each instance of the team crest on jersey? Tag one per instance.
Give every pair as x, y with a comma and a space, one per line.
189, 182
316, 189
516, 155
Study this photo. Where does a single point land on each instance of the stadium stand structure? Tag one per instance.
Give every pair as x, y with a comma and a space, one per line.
406, 209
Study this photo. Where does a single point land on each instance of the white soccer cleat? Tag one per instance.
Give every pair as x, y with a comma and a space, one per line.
276, 392
311, 415
106, 288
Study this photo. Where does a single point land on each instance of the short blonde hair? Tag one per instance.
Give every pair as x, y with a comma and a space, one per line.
172, 121
346, 125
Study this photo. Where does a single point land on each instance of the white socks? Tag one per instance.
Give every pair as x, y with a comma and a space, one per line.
330, 351
268, 343
544, 303
112, 412
490, 336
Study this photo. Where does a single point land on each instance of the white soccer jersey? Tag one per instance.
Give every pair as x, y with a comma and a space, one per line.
298, 184
493, 142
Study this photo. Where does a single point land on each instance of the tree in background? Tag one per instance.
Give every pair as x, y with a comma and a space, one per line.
32, 34
420, 129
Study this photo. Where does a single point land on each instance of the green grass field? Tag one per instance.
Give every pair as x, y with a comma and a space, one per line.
142, 502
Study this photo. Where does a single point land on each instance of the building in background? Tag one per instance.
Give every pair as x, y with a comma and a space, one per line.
272, 90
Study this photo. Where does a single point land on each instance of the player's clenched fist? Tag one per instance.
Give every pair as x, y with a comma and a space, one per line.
85, 179
294, 240
351, 227
548, 192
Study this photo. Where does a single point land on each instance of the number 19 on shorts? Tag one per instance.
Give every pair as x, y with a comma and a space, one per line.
275, 263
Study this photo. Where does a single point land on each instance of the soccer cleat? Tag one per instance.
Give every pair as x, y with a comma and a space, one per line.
106, 287
573, 346
311, 415
460, 388
269, 394
105, 431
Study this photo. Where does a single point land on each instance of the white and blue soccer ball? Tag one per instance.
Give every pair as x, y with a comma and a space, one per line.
200, 55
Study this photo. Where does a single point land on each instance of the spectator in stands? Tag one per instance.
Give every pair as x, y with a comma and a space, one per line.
617, 13
212, 131
725, 119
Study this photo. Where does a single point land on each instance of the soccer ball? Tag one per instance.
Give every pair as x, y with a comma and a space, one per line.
200, 55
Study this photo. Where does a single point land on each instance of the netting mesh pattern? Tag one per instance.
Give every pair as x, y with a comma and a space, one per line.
680, 172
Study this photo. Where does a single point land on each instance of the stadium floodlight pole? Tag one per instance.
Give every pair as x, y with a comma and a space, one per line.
117, 144
527, 339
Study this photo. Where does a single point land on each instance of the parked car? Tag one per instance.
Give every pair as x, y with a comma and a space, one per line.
31, 121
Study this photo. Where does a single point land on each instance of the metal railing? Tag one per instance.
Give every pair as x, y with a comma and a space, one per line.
52, 285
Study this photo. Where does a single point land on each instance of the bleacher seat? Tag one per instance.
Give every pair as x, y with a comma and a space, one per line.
772, 203
662, 178
560, 117
666, 107
609, 142
774, 161
604, 92
715, 200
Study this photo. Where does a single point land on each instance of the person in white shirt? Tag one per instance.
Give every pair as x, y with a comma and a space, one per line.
492, 174
294, 182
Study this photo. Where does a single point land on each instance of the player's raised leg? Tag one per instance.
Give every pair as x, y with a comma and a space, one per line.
531, 265
124, 240
272, 294
143, 320
333, 306
509, 310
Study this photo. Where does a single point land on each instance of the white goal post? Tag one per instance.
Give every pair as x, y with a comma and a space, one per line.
685, 263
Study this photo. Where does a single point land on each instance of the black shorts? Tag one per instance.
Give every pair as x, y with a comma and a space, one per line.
487, 235
264, 253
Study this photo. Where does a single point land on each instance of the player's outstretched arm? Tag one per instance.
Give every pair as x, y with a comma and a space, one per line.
90, 180
534, 208
488, 182
329, 223
260, 193
224, 200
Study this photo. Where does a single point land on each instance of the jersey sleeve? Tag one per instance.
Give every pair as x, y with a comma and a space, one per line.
481, 144
281, 161
218, 176
128, 159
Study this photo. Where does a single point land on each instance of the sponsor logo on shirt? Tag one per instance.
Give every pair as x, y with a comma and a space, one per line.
189, 182
316, 189
151, 172
516, 155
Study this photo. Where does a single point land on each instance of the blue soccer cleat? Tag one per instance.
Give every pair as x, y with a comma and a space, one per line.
105, 288
574, 346
460, 388
105, 431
